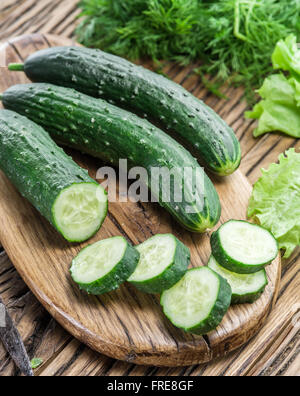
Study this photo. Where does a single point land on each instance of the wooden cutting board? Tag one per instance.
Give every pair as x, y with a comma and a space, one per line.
124, 324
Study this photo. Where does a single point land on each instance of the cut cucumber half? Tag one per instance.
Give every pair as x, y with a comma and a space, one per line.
164, 261
198, 302
49, 179
243, 247
105, 265
246, 289
80, 210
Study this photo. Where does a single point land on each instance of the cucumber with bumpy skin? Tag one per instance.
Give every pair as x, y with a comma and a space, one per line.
58, 188
164, 261
198, 302
104, 266
246, 289
243, 247
112, 78
107, 132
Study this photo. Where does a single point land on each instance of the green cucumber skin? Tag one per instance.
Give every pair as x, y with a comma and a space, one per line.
248, 298
217, 313
171, 275
112, 281
37, 167
90, 125
229, 263
103, 75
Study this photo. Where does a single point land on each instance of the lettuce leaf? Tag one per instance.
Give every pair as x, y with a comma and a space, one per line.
275, 201
296, 84
286, 55
279, 110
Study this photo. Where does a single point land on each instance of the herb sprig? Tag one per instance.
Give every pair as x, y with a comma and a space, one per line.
231, 37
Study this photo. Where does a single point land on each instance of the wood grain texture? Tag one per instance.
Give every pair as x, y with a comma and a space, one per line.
125, 324
63, 356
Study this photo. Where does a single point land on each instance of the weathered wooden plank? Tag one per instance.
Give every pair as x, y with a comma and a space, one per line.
25, 12
265, 152
62, 10
7, 7
39, 18
66, 26
42, 336
282, 356
77, 360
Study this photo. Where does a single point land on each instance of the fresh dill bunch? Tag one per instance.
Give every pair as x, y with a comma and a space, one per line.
159, 29
243, 35
232, 38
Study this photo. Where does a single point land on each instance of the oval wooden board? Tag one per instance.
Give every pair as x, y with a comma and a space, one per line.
125, 324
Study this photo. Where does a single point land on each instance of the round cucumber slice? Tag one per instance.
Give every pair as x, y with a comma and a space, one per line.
243, 247
80, 210
105, 265
198, 302
163, 262
246, 288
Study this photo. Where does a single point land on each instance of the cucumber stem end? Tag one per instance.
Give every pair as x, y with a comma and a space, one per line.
16, 67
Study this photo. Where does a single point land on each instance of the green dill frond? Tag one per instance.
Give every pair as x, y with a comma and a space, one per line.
230, 37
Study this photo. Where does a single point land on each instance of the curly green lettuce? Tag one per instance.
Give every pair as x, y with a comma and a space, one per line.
275, 201
279, 110
286, 55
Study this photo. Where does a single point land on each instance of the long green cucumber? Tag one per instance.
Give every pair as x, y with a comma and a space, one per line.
58, 188
135, 88
105, 131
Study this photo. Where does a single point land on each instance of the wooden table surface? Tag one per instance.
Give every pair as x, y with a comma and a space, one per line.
275, 351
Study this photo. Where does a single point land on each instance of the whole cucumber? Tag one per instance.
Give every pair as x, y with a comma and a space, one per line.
107, 132
137, 89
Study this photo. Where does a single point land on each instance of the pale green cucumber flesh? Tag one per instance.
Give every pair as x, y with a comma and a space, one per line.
104, 265
246, 288
198, 302
164, 261
79, 211
243, 247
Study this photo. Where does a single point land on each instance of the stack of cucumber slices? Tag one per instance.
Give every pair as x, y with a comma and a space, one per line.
195, 300
240, 253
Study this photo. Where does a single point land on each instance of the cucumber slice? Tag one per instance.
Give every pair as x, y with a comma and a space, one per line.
164, 261
198, 302
79, 211
243, 247
246, 289
105, 265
